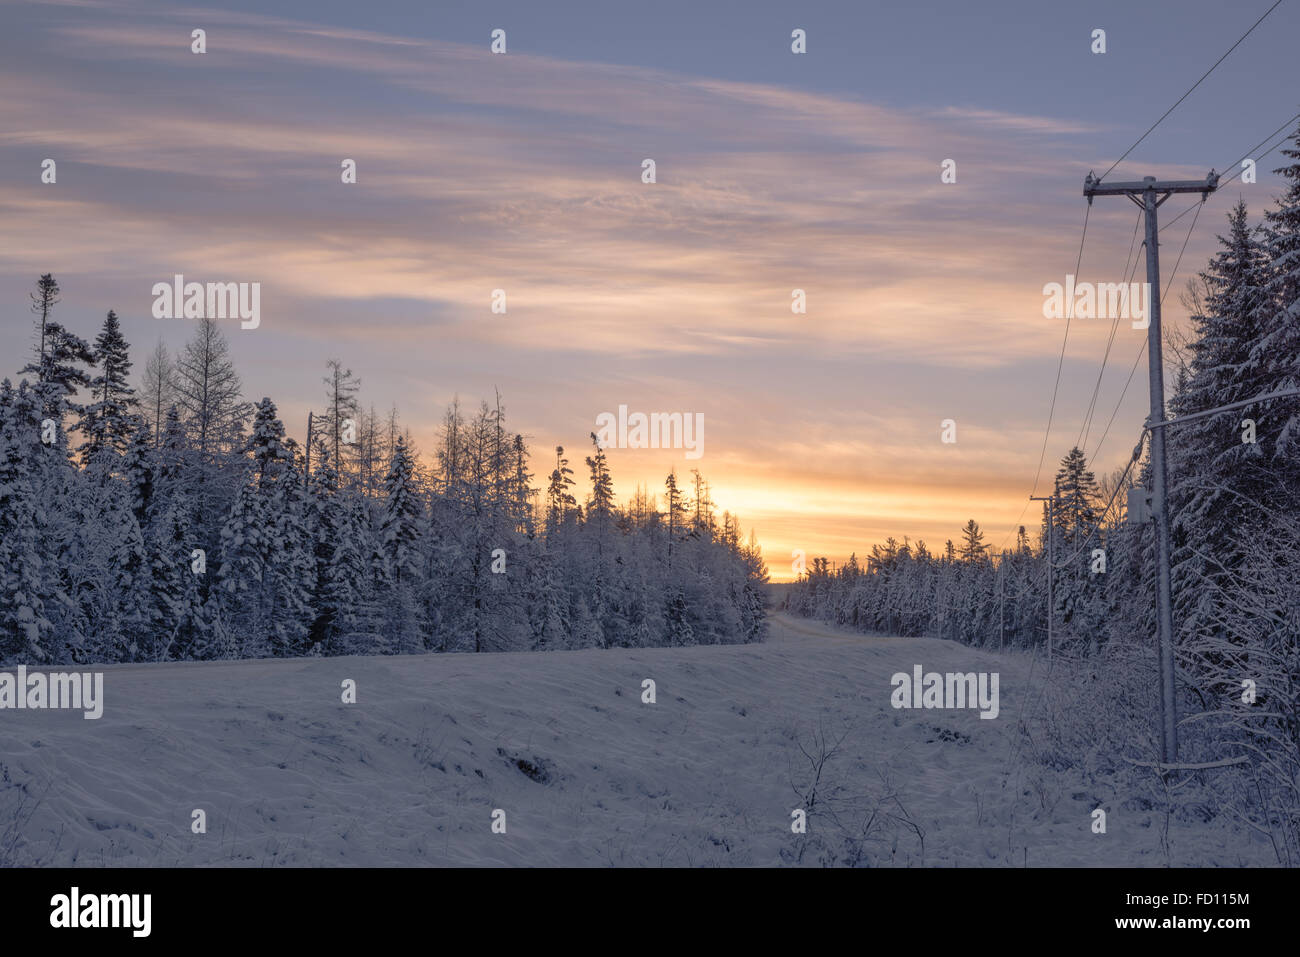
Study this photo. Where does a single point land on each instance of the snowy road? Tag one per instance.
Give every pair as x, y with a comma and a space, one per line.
585, 772
786, 627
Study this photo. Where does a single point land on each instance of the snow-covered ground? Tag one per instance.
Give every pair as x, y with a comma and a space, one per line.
585, 772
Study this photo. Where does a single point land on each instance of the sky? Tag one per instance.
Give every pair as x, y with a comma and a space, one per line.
522, 172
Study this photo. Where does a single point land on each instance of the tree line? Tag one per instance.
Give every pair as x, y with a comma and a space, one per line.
178, 520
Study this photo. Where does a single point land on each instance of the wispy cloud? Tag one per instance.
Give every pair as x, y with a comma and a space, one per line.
522, 172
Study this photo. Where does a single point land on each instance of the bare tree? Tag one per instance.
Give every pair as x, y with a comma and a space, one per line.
158, 388
340, 406
209, 391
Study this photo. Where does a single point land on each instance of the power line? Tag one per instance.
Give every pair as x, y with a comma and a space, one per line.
1195, 206
1285, 137
1137, 450
1124, 392
1189, 92
1248, 154
1086, 427
1051, 413
1014, 525
1131, 273
1178, 261
1142, 350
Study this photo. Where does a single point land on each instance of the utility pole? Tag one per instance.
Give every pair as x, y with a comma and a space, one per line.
1144, 195
1002, 589
308, 445
1051, 560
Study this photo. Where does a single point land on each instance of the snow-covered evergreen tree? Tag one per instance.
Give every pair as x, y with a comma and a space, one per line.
1277, 349
29, 582
399, 537
109, 419
267, 555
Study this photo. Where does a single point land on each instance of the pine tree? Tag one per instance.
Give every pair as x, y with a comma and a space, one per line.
106, 565
973, 542
178, 627
139, 469
399, 536
1210, 468
323, 519
680, 632
44, 299
294, 562
28, 581
676, 512
1277, 350
521, 487
59, 355
267, 565
559, 500
586, 628
1076, 491
600, 508
174, 452
246, 547
354, 580
109, 421
550, 617
399, 531
267, 446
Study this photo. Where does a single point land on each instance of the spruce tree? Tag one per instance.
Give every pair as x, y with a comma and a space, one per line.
28, 580
973, 546
1278, 346
559, 500
139, 470
266, 553
1076, 505
59, 355
399, 530
109, 421
1210, 468
175, 604
399, 536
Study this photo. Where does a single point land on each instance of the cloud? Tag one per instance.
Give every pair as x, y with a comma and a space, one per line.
1041, 125
522, 172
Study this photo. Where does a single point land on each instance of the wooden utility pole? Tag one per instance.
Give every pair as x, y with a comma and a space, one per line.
308, 445
1051, 559
1148, 195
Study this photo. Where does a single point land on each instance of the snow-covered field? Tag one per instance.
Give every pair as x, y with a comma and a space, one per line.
585, 772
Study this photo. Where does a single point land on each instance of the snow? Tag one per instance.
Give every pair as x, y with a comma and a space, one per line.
586, 773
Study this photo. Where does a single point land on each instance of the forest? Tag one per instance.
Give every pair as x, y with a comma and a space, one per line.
172, 518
